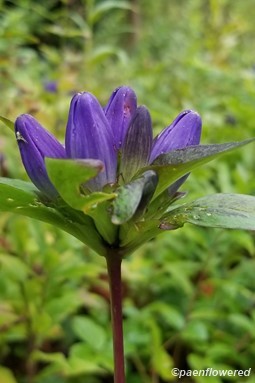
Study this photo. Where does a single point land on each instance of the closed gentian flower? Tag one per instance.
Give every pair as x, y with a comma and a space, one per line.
89, 136
36, 143
137, 143
119, 112
184, 131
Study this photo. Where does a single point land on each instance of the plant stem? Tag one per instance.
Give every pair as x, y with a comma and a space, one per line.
114, 273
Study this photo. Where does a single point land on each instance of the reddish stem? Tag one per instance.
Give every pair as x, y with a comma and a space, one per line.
114, 273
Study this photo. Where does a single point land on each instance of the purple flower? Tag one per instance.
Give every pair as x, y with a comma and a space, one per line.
36, 143
120, 136
184, 131
137, 144
119, 111
50, 86
89, 135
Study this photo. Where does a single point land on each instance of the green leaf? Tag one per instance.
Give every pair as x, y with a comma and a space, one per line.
171, 166
15, 194
101, 53
161, 361
89, 331
169, 313
68, 177
7, 123
13, 268
232, 211
6, 376
195, 331
101, 215
81, 363
98, 12
23, 198
57, 358
133, 196
134, 234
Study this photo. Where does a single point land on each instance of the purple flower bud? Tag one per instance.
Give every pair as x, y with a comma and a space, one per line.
184, 131
137, 144
119, 112
89, 136
35, 143
50, 86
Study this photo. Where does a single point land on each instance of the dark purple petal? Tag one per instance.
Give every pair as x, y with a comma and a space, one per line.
36, 143
119, 112
184, 131
137, 144
89, 135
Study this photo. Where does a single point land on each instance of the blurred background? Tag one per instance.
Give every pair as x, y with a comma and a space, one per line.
189, 295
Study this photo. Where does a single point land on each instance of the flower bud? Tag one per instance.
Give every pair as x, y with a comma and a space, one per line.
184, 131
119, 112
36, 143
137, 144
89, 136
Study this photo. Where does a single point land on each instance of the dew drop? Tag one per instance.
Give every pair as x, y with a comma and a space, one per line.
196, 216
35, 203
10, 199
208, 214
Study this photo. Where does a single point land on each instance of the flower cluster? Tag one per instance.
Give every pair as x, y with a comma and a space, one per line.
112, 185
119, 136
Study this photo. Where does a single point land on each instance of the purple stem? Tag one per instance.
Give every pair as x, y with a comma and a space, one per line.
114, 272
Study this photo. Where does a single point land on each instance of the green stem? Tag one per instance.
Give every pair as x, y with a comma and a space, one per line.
114, 273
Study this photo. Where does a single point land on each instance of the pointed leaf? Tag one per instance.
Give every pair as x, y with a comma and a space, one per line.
130, 196
88, 330
133, 234
7, 123
101, 215
99, 11
68, 176
90, 201
162, 204
230, 211
16, 193
127, 202
173, 165
23, 198
150, 184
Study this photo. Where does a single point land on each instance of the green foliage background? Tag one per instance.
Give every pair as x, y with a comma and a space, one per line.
189, 295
